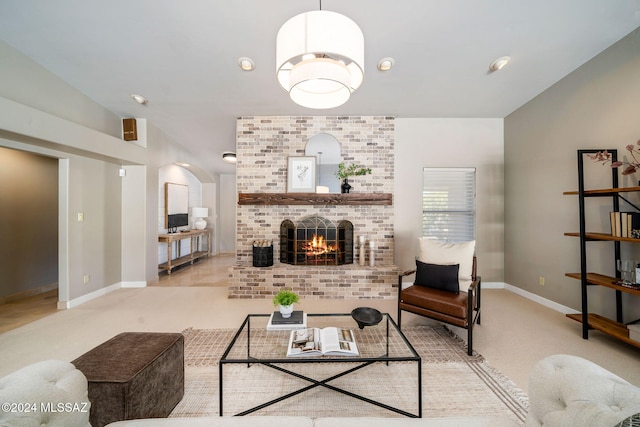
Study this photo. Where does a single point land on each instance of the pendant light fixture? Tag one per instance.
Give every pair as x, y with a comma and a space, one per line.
320, 58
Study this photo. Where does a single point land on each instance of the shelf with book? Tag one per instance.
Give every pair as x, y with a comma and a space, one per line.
619, 232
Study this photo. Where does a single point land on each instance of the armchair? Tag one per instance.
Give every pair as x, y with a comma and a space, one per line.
444, 289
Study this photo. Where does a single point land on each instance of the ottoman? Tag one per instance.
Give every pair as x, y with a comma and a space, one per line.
134, 375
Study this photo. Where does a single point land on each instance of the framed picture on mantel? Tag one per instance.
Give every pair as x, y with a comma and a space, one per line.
301, 174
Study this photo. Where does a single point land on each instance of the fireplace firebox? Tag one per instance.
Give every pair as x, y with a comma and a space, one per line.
315, 240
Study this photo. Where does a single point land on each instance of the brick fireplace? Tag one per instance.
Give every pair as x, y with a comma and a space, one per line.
263, 147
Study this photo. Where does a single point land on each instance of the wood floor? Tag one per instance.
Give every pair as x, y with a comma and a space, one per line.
17, 313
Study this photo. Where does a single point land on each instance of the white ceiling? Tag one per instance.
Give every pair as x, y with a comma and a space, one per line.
182, 55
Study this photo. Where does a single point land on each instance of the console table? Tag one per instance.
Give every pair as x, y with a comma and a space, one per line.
195, 252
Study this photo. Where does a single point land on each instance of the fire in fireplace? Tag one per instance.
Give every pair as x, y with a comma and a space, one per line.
318, 246
315, 240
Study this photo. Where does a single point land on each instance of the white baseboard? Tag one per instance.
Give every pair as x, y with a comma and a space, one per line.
540, 300
493, 285
137, 284
528, 295
98, 293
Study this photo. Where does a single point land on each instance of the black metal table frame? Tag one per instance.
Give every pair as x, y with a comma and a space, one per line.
364, 361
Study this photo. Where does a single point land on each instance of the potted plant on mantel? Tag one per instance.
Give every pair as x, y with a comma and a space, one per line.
285, 298
344, 172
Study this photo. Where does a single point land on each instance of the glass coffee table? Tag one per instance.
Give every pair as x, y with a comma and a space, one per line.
380, 345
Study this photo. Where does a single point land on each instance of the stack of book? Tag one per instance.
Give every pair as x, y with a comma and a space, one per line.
297, 320
623, 223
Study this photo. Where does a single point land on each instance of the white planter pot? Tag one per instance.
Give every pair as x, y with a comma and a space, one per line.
286, 310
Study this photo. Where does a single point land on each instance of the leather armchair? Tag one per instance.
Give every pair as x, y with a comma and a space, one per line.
459, 309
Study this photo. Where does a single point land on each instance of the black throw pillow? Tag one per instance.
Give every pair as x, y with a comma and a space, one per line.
436, 276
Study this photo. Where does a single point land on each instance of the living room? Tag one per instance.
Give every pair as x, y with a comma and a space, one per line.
524, 160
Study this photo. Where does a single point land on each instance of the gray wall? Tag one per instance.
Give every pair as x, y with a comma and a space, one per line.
597, 106
96, 241
28, 221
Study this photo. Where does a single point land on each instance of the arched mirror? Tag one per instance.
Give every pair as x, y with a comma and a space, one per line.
326, 149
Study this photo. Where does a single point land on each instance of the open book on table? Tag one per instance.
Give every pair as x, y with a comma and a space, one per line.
322, 342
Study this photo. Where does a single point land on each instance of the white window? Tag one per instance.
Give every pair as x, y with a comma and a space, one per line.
449, 204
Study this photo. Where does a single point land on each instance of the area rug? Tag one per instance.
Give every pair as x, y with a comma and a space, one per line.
453, 383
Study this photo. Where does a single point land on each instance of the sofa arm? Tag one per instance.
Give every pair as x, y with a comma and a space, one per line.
569, 390
52, 393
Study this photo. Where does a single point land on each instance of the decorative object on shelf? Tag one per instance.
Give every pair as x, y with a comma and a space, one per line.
361, 241
199, 214
320, 58
301, 174
345, 172
372, 253
631, 167
366, 316
285, 298
626, 267
345, 187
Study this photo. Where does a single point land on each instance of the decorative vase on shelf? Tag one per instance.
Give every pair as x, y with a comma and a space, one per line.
286, 310
345, 187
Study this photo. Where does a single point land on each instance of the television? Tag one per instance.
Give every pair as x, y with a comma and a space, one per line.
177, 220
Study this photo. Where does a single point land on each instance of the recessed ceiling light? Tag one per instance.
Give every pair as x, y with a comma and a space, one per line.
229, 157
385, 64
246, 64
139, 99
499, 63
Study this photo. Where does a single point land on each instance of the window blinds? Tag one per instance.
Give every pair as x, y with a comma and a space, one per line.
448, 204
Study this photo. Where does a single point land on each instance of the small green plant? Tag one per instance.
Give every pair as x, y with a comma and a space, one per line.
351, 170
285, 297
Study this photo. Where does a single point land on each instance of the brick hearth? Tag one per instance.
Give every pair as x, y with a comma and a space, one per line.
310, 282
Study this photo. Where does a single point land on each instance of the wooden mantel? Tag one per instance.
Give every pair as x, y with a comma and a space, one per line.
315, 199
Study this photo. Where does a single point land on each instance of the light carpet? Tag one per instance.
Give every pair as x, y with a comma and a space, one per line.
453, 383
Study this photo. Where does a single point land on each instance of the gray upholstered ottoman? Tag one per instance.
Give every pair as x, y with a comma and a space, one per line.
134, 375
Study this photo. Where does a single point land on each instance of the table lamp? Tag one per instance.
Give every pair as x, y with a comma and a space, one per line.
199, 214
